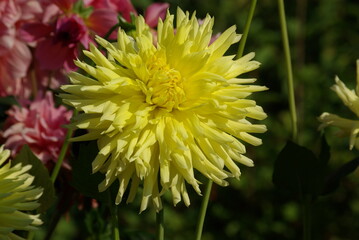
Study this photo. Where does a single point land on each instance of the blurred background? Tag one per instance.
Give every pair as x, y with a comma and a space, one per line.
324, 39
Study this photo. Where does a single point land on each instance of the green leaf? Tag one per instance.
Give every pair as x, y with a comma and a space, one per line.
5, 104
96, 224
298, 171
333, 181
9, 101
324, 154
127, 26
83, 179
80, 8
41, 174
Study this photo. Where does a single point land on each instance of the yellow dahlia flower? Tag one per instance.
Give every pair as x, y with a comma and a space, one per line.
161, 111
351, 100
17, 196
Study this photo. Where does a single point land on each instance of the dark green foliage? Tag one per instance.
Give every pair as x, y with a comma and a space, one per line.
126, 26
81, 9
299, 172
83, 179
96, 225
333, 181
42, 178
5, 104
8, 101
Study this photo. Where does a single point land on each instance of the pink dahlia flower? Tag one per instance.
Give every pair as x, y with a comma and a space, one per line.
39, 125
154, 12
57, 44
102, 17
64, 5
101, 21
37, 10
15, 57
124, 7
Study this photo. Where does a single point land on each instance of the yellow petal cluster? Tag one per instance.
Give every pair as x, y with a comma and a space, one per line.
351, 100
163, 112
17, 196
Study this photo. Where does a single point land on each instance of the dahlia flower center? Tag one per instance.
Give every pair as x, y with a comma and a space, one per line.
165, 88
69, 31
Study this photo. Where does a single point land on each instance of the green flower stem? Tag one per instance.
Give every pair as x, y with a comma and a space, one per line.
33, 83
114, 216
160, 225
113, 28
54, 174
291, 97
30, 235
116, 231
65, 146
53, 224
307, 216
203, 210
242, 43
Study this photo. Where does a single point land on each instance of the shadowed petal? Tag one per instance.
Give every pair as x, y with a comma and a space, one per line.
51, 56
101, 21
154, 12
31, 32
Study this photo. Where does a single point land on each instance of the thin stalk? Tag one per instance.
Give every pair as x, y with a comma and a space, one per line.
242, 43
113, 28
291, 97
203, 210
307, 218
114, 217
33, 83
160, 225
65, 146
116, 231
53, 224
55, 172
30, 235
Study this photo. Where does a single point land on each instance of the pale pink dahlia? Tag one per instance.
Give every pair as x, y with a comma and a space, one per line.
15, 57
38, 124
